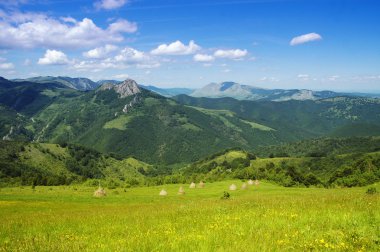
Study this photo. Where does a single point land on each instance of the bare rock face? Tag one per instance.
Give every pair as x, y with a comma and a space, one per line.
126, 88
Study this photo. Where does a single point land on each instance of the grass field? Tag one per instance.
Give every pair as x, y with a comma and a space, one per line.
262, 218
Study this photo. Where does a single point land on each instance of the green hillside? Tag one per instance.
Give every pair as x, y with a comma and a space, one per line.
351, 162
341, 116
321, 147
52, 164
155, 129
345, 170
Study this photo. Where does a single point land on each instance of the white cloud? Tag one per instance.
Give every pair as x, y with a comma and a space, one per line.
231, 54
226, 70
305, 38
6, 66
100, 52
121, 76
122, 25
131, 55
53, 57
95, 66
31, 30
69, 20
203, 58
110, 4
125, 58
176, 48
303, 77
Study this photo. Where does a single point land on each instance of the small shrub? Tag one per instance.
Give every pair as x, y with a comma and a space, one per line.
226, 195
371, 190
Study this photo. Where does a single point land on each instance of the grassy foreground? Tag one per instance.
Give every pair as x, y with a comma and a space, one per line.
261, 218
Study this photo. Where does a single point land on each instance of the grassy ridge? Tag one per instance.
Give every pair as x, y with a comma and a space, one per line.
52, 164
263, 218
353, 169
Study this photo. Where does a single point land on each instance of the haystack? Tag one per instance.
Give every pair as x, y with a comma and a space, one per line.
201, 184
232, 187
192, 185
181, 191
163, 192
100, 193
244, 186
250, 182
257, 182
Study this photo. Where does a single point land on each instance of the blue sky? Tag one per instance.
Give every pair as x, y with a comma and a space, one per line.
312, 44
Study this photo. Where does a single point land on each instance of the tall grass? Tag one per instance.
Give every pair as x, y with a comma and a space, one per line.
263, 218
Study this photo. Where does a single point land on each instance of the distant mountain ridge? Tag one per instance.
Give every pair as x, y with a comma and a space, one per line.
245, 92
168, 92
212, 90
74, 83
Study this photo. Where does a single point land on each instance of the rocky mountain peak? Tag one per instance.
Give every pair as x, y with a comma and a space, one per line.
126, 88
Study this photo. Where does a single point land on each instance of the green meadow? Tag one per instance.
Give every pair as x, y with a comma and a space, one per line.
266, 217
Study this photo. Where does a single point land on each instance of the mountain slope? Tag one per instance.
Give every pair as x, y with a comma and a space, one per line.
52, 164
74, 83
143, 124
351, 169
300, 119
29, 97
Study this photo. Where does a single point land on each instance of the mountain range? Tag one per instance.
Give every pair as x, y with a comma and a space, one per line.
212, 90
128, 120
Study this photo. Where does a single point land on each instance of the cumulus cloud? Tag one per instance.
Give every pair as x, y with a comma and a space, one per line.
53, 57
122, 25
6, 66
125, 58
131, 55
176, 48
110, 4
69, 20
203, 58
100, 52
305, 38
231, 54
31, 30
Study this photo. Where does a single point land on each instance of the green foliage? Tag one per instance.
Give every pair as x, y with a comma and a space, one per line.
371, 190
321, 147
226, 195
50, 164
346, 170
